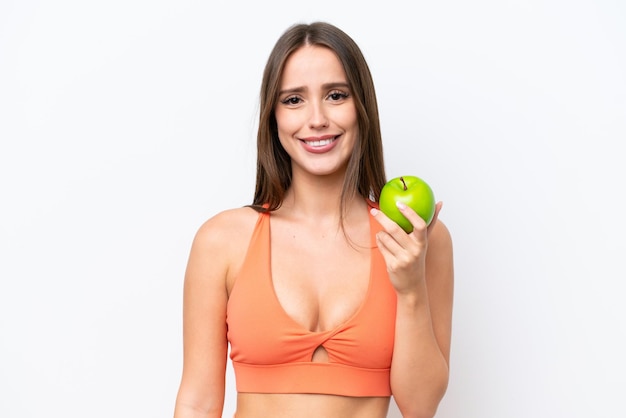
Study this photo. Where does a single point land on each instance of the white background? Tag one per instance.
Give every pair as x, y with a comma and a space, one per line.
125, 124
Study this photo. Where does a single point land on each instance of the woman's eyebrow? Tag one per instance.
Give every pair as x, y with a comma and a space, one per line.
325, 86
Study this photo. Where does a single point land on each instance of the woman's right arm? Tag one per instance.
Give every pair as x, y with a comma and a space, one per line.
205, 347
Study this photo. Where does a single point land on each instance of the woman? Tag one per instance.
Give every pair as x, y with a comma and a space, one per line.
338, 308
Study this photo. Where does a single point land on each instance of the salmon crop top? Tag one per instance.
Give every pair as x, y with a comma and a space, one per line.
271, 352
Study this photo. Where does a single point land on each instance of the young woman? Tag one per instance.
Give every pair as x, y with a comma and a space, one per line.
329, 307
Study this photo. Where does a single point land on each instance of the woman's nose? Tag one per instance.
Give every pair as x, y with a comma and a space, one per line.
318, 118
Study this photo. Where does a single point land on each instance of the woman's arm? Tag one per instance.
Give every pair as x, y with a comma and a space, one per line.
420, 267
205, 347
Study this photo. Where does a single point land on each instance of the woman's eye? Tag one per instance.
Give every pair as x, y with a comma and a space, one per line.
335, 96
293, 100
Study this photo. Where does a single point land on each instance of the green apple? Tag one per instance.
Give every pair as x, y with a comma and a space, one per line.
413, 192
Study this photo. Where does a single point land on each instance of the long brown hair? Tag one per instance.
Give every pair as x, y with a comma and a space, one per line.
365, 173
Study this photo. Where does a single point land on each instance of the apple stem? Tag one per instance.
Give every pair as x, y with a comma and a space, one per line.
403, 183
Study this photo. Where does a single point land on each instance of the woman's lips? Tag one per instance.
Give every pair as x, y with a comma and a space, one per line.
320, 145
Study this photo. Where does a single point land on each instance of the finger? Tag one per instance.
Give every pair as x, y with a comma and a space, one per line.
382, 240
419, 225
393, 238
388, 244
388, 225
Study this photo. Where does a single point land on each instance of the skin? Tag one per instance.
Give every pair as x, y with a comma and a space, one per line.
315, 103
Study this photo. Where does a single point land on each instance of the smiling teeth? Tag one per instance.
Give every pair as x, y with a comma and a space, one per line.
320, 143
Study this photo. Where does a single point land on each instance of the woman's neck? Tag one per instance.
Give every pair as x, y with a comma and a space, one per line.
317, 197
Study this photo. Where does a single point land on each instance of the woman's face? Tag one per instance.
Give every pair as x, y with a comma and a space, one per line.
315, 113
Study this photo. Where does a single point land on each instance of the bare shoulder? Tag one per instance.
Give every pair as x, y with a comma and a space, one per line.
440, 236
227, 229
439, 258
220, 244
228, 222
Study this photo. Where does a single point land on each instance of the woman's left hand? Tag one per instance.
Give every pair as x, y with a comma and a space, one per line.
405, 254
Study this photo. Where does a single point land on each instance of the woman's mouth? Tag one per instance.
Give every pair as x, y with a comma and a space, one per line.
320, 145
319, 142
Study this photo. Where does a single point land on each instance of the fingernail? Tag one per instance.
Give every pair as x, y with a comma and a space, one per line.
400, 205
374, 211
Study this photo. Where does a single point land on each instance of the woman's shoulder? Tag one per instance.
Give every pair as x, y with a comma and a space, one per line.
228, 226
220, 244
440, 242
441, 231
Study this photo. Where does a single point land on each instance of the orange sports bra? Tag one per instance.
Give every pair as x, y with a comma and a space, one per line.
271, 352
